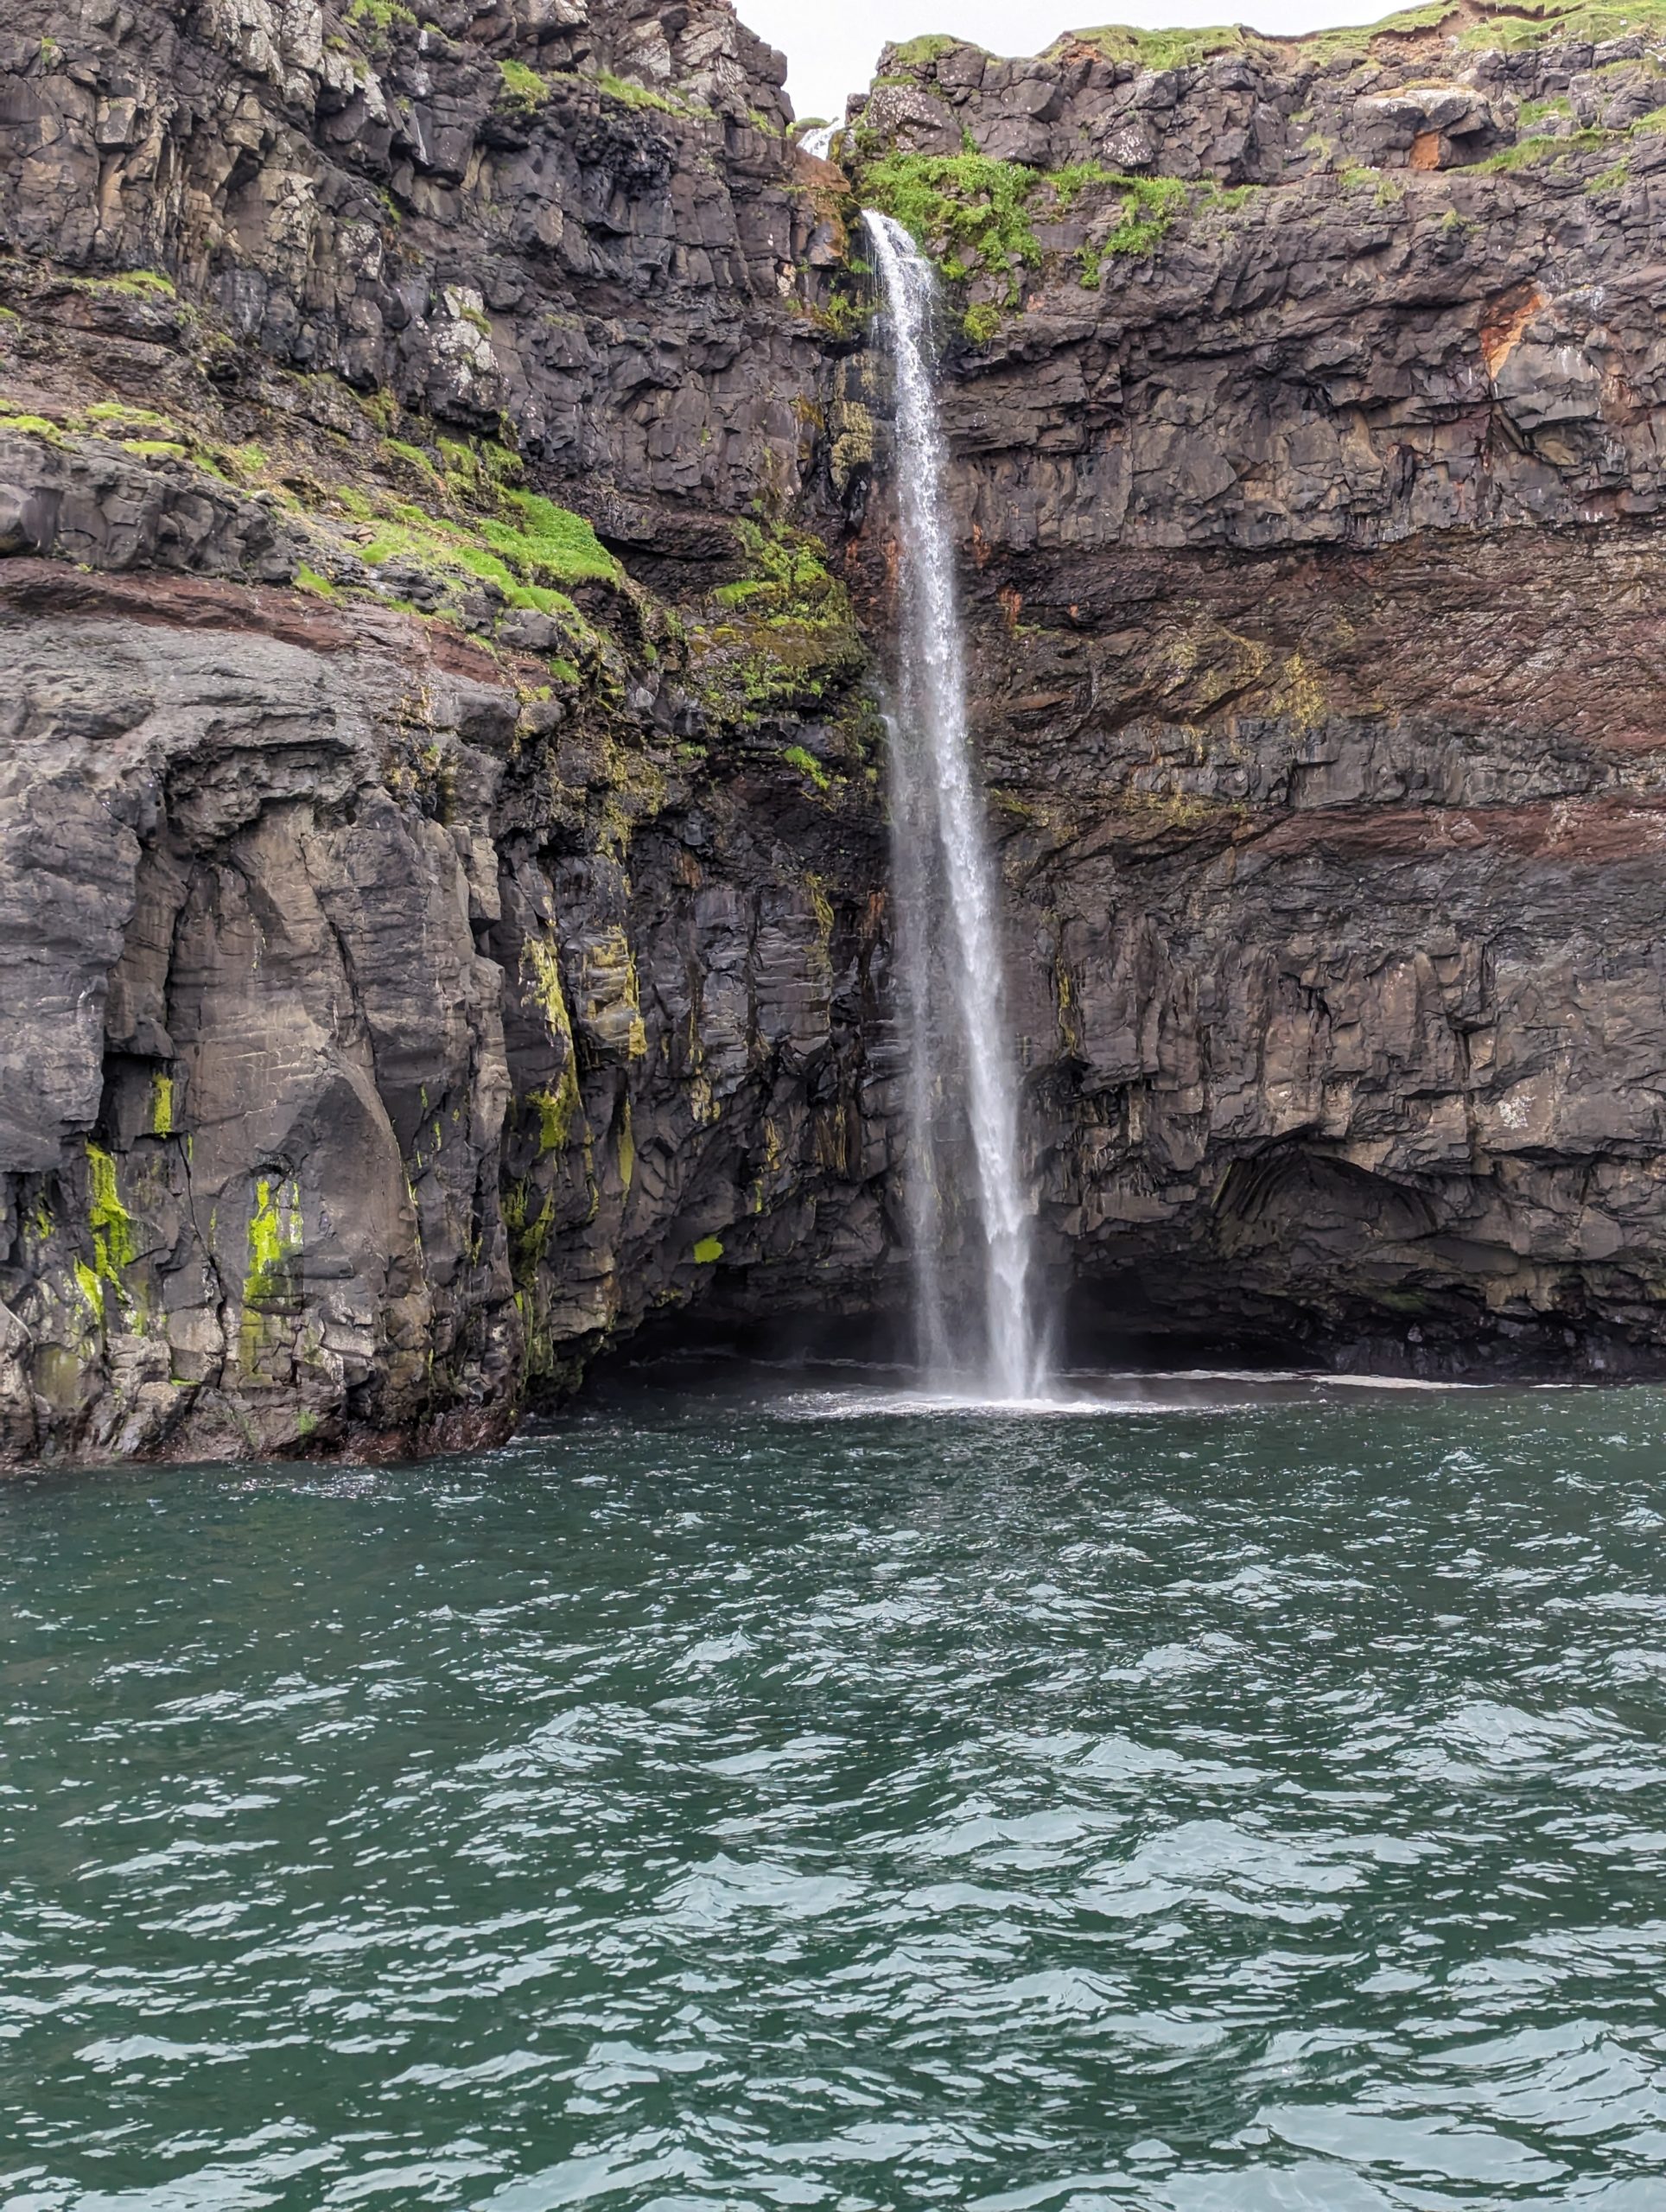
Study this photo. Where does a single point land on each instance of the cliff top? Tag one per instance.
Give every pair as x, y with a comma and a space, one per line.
1472, 25
1134, 130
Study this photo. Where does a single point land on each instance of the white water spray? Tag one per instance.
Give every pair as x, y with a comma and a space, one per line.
945, 887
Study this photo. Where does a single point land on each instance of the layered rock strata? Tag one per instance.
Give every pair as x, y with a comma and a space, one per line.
444, 607
1309, 452
435, 936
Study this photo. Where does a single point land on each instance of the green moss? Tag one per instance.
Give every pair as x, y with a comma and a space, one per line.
975, 214
631, 95
808, 765
131, 283
841, 315
514, 560
154, 448
557, 1110
1526, 153
789, 575
144, 282
541, 975
551, 543
414, 458
920, 53
967, 211
1611, 179
523, 89
35, 426
306, 579
503, 466
707, 1250
462, 465
790, 641
161, 1105
246, 464
1151, 205
1534, 111
137, 418
379, 17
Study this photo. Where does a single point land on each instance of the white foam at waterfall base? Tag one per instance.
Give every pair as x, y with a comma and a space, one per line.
946, 897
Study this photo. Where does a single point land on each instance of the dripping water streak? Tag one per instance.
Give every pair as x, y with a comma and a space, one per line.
945, 881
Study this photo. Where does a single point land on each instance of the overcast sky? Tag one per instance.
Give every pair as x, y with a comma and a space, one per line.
832, 44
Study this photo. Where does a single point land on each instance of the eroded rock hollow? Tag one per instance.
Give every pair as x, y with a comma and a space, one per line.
445, 602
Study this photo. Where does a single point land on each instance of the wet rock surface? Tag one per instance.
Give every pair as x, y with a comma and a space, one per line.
444, 599
431, 941
1309, 466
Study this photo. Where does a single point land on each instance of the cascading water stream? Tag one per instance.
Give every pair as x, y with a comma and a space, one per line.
946, 893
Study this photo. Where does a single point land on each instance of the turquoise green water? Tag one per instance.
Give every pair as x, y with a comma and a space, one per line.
704, 1805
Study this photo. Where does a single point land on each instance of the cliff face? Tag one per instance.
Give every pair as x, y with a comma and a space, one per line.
433, 937
1309, 443
441, 841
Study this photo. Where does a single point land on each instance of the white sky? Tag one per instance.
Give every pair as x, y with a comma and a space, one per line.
831, 45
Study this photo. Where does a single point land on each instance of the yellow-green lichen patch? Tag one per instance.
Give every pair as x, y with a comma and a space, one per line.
111, 1222
112, 1229
161, 1105
557, 1110
528, 1233
709, 1249
275, 1241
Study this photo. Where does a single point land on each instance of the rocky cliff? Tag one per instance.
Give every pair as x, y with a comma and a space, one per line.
441, 824
444, 600
1309, 425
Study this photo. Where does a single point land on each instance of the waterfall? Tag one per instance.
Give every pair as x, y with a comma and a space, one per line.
946, 896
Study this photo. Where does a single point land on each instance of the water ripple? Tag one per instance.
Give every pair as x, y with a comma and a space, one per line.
1196, 1807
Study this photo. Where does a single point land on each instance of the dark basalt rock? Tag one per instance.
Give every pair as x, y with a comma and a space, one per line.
421, 966
1318, 598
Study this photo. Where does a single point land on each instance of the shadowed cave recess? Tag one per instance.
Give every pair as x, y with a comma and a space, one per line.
447, 593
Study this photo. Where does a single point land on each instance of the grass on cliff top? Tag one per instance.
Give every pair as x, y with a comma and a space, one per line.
1508, 28
1539, 22
975, 215
1188, 47
1597, 20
